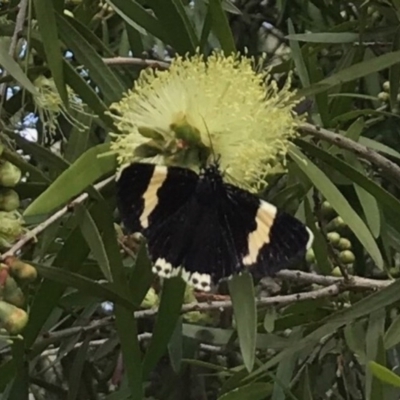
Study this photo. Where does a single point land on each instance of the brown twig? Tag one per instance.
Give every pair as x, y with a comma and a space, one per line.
136, 61
390, 168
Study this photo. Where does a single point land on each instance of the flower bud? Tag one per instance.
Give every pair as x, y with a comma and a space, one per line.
12, 318
347, 257
10, 175
9, 200
20, 269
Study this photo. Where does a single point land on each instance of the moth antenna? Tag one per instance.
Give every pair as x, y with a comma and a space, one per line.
215, 158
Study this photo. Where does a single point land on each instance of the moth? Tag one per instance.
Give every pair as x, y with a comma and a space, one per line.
203, 229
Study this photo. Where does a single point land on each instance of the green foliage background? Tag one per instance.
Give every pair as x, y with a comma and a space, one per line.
346, 347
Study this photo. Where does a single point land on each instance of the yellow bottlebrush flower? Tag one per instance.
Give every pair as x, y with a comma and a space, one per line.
177, 116
49, 105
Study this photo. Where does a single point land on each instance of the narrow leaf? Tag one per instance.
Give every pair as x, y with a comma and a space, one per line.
384, 374
221, 27
49, 35
339, 203
241, 289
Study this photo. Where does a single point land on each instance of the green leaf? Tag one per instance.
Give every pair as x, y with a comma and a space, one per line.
298, 58
221, 27
13, 68
75, 377
253, 391
373, 144
241, 289
374, 302
141, 276
81, 174
130, 347
88, 95
49, 35
338, 202
108, 82
349, 74
269, 319
394, 75
392, 335
71, 256
134, 14
175, 347
176, 24
384, 374
85, 285
320, 245
167, 318
93, 238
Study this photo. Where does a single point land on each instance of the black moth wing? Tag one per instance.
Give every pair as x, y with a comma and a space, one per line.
148, 194
266, 239
181, 220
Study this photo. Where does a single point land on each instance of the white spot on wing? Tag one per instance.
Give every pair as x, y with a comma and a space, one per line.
165, 270
150, 197
260, 236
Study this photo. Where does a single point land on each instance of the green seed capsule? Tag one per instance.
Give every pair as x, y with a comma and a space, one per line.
336, 224
310, 256
10, 175
333, 238
347, 257
344, 244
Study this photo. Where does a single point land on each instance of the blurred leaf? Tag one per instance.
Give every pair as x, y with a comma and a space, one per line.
70, 257
85, 285
49, 35
320, 245
325, 37
108, 82
374, 302
134, 14
175, 347
269, 319
167, 318
373, 144
78, 364
221, 27
19, 388
141, 275
130, 347
82, 173
176, 25
384, 374
394, 75
349, 74
338, 202
254, 391
298, 58
242, 294
392, 335
93, 238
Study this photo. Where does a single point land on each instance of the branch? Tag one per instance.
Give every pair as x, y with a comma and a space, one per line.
387, 166
136, 61
53, 218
